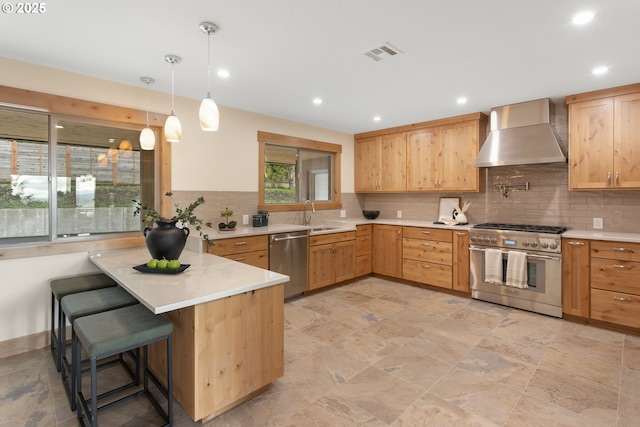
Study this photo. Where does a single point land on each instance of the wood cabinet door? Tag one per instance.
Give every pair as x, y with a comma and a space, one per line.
576, 277
387, 250
393, 162
423, 160
344, 261
461, 261
367, 164
627, 141
459, 148
321, 266
591, 144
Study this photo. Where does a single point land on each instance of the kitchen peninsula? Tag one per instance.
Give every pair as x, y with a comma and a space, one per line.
228, 317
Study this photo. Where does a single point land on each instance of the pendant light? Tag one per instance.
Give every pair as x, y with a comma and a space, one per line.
147, 136
172, 127
209, 114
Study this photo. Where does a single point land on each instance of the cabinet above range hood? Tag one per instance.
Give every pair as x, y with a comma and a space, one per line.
521, 134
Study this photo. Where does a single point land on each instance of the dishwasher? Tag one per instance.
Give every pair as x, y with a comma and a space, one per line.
288, 255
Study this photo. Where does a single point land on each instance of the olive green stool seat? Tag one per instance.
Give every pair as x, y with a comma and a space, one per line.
114, 332
82, 304
63, 286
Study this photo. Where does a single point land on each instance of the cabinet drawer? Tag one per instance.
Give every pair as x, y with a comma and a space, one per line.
363, 265
428, 273
615, 307
363, 245
257, 258
615, 275
428, 234
428, 251
323, 239
238, 245
363, 230
616, 250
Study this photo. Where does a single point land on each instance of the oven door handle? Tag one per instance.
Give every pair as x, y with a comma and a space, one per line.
528, 254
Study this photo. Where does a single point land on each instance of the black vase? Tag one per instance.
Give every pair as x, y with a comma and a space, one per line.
165, 240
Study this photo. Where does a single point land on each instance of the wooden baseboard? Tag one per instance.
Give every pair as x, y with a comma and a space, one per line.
24, 344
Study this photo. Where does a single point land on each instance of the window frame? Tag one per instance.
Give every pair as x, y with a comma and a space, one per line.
296, 142
107, 114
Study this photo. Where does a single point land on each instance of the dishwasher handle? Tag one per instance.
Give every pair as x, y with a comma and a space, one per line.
281, 239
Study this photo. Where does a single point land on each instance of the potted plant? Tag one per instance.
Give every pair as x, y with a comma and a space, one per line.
165, 239
228, 225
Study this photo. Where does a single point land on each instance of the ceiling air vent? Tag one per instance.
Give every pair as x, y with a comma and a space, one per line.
382, 52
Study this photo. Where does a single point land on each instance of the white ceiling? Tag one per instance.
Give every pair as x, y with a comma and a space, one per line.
283, 53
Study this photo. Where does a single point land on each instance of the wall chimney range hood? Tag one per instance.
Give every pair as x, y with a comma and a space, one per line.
521, 134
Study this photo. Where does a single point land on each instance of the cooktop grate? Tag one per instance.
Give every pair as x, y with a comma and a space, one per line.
549, 229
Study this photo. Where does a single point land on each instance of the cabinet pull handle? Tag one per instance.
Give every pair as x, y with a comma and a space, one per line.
622, 299
623, 250
622, 267
460, 233
241, 243
617, 178
426, 266
426, 232
240, 259
426, 244
399, 234
576, 243
608, 178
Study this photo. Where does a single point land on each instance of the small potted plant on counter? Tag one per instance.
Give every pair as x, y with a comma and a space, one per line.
228, 225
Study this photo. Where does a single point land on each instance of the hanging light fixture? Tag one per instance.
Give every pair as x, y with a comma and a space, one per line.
172, 127
209, 114
147, 136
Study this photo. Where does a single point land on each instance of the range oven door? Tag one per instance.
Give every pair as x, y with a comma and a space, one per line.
544, 294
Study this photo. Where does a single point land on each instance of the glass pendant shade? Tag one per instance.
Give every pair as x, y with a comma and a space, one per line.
209, 115
147, 139
172, 129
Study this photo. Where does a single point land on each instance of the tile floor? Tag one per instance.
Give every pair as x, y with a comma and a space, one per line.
378, 353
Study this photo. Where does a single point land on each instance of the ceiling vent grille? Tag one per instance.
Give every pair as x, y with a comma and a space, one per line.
384, 51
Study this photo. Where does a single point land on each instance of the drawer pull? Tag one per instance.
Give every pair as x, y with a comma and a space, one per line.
426, 266
623, 250
576, 243
241, 243
622, 299
622, 267
240, 259
426, 232
460, 233
426, 244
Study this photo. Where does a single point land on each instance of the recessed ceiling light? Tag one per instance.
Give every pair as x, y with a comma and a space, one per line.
376, 118
461, 100
583, 17
317, 101
600, 70
223, 73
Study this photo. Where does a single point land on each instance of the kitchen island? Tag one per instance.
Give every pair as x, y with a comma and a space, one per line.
228, 318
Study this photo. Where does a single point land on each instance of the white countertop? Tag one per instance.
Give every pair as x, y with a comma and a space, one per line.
602, 235
208, 278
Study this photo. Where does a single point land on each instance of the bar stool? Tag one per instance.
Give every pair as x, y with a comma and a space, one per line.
114, 332
83, 304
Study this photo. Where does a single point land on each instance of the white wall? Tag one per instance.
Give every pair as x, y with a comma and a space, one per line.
202, 161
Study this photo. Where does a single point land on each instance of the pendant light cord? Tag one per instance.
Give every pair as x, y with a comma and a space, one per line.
147, 96
172, 89
209, 64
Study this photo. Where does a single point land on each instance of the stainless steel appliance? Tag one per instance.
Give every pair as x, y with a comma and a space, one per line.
288, 255
544, 265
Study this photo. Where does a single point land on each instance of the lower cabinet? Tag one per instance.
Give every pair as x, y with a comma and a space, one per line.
461, 261
428, 256
387, 250
575, 277
332, 258
252, 250
363, 249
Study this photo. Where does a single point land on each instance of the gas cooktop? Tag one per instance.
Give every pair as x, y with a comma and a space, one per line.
549, 229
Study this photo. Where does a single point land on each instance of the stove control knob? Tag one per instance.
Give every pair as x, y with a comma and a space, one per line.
545, 245
554, 245
494, 240
525, 243
473, 238
534, 244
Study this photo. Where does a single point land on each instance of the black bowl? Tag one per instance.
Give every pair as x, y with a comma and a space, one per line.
371, 214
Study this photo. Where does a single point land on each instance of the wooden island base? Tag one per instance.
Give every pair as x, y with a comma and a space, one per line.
224, 351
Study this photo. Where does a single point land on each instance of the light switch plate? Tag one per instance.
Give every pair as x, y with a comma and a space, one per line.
399, 214
343, 213
597, 223
245, 219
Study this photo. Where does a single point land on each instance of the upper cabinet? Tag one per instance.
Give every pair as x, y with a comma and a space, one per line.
604, 139
429, 156
381, 163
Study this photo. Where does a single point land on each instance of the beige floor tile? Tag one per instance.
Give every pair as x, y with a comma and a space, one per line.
520, 349
580, 363
331, 411
533, 412
367, 347
411, 364
329, 366
496, 367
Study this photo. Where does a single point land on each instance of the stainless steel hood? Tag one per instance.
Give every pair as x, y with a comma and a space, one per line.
521, 134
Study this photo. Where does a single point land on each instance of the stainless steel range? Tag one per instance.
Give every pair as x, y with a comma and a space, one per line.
541, 245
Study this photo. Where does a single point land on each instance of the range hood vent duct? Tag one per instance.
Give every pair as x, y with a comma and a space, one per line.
521, 134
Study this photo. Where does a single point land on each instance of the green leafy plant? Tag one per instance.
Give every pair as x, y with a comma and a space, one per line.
185, 216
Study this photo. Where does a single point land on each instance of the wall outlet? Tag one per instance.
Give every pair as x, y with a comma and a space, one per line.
245, 219
597, 223
343, 213
399, 214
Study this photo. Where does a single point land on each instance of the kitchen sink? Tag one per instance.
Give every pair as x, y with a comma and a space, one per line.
323, 228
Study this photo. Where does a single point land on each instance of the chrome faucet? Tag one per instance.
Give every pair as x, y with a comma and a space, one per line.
306, 221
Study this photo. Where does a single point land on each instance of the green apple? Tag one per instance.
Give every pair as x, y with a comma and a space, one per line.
174, 264
153, 263
162, 263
